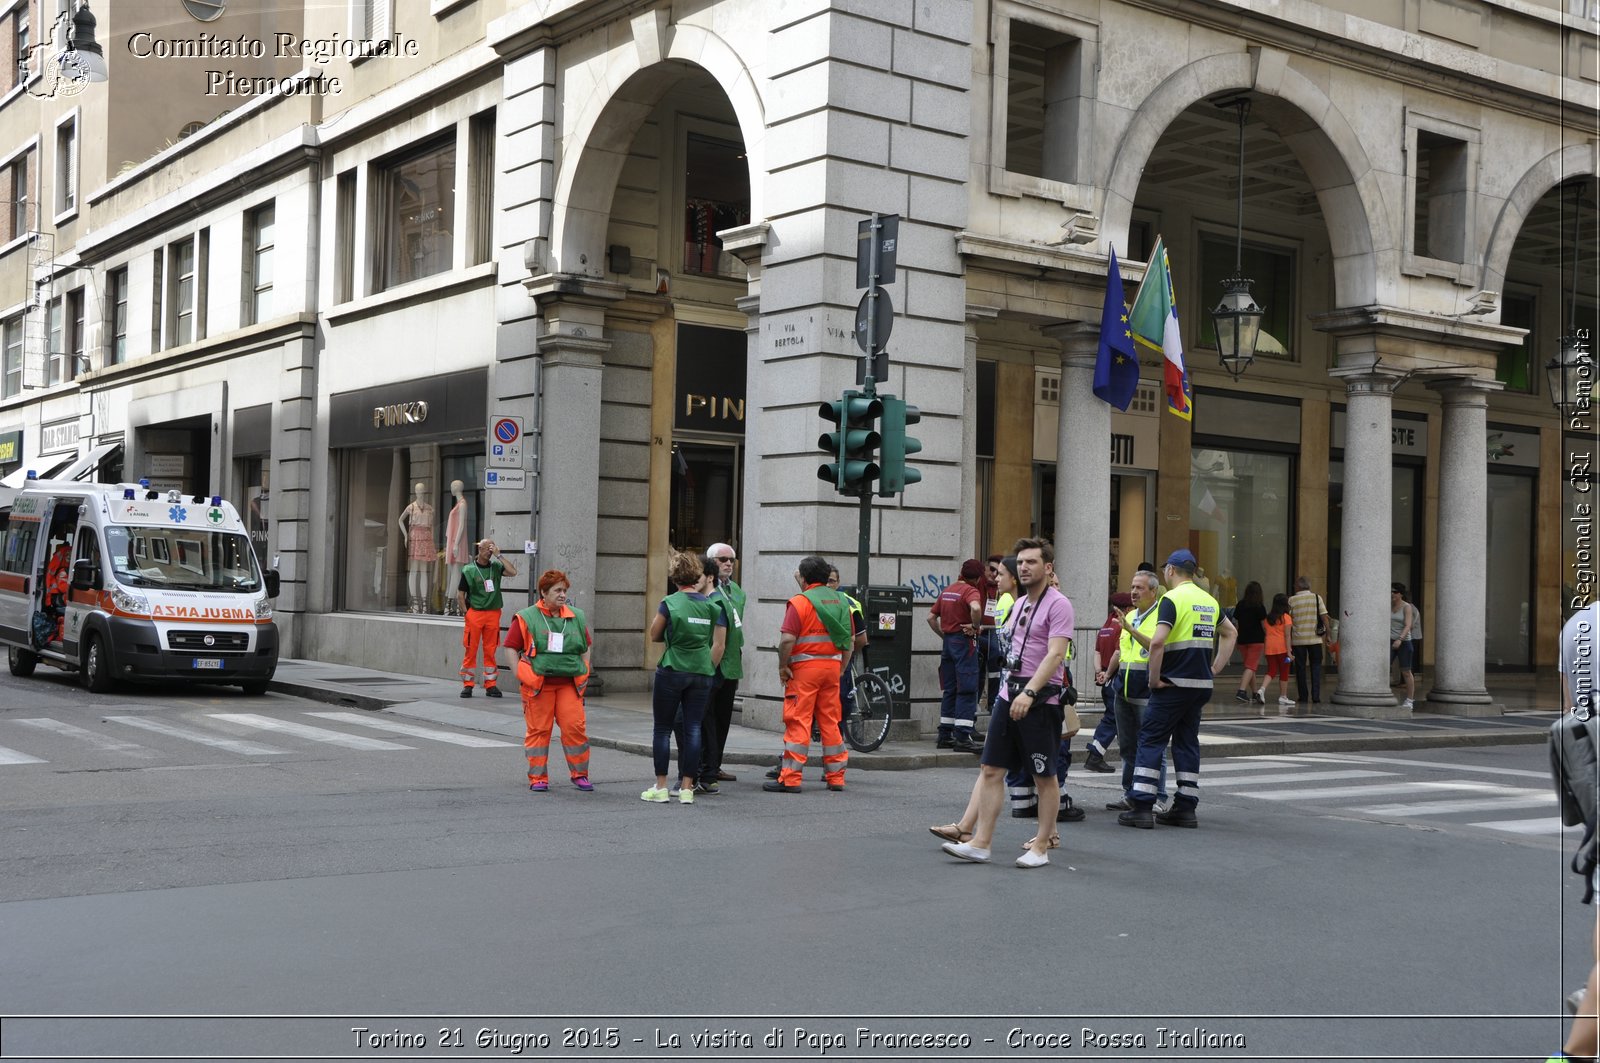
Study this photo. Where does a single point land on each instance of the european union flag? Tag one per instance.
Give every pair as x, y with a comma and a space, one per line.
1116, 365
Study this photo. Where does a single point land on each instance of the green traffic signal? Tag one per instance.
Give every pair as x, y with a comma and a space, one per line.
853, 444
896, 474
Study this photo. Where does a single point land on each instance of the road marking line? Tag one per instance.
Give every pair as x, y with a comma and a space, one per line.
1309, 776
102, 742
1528, 826
232, 745
300, 730
1245, 765
12, 756
1476, 804
380, 724
1355, 758
1370, 790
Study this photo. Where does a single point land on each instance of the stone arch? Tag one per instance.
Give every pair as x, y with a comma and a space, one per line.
1322, 139
597, 145
1550, 171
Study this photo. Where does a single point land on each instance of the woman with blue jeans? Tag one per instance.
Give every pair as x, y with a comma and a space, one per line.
695, 630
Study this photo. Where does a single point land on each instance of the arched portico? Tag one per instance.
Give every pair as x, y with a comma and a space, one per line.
1550, 171
596, 146
1321, 138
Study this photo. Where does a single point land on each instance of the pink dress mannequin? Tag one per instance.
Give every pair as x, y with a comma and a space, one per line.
416, 524
457, 551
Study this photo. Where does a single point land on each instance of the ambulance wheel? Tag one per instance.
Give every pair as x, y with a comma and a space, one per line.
96, 666
22, 662
254, 689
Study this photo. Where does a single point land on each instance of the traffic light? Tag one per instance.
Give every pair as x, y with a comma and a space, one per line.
896, 474
853, 444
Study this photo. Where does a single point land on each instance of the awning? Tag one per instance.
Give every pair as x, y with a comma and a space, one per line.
15, 479
85, 466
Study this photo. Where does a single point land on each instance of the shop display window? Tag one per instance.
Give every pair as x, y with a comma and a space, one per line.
1240, 509
405, 531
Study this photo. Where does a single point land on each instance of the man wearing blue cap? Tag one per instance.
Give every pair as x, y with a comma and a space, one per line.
1192, 643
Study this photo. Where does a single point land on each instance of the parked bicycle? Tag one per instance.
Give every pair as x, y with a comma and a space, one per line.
866, 717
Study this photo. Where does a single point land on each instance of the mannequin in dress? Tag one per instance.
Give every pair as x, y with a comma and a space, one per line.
416, 525
457, 551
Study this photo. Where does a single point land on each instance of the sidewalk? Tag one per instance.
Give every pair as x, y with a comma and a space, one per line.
623, 721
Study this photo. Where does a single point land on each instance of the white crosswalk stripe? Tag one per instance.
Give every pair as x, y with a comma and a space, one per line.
104, 743
1334, 793
1305, 776
394, 727
1477, 804
232, 745
1529, 826
301, 730
13, 756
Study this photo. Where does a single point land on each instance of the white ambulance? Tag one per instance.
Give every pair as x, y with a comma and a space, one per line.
125, 582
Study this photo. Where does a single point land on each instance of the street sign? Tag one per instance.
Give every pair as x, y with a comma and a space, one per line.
888, 245
506, 479
505, 443
883, 312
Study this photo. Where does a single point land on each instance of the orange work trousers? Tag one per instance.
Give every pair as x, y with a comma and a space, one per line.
813, 692
557, 704
481, 629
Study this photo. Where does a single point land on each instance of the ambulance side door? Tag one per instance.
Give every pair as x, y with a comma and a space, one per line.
82, 603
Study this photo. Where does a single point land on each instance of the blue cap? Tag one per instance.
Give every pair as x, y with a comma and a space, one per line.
1182, 559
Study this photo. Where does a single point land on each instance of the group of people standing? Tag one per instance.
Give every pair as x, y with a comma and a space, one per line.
1290, 635
1168, 649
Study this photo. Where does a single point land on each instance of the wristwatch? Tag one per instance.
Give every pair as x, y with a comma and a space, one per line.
1031, 693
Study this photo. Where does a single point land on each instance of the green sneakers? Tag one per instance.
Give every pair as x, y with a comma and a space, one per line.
658, 794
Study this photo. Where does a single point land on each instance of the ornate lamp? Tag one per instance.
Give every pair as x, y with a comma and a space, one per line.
1237, 318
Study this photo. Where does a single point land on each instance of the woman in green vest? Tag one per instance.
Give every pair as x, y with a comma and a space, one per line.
695, 630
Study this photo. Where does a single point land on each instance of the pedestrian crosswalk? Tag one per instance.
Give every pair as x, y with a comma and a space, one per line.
1517, 801
111, 738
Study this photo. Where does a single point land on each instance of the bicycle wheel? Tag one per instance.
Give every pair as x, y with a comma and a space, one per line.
867, 727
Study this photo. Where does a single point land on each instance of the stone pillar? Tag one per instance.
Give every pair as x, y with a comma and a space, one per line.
1083, 489
1460, 618
1368, 537
572, 346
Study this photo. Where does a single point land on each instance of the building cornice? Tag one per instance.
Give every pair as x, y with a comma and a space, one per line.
1315, 31
999, 253
226, 345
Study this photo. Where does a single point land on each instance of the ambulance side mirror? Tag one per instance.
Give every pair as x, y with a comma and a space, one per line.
85, 575
272, 582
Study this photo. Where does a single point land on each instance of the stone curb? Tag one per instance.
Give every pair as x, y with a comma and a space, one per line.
893, 761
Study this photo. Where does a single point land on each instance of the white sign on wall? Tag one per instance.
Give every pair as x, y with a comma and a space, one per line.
59, 438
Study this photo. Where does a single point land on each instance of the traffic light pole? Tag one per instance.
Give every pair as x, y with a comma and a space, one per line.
864, 545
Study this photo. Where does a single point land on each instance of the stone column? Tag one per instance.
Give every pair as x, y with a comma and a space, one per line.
1368, 536
1460, 618
572, 347
1083, 489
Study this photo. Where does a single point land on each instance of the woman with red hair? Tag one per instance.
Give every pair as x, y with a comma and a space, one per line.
552, 641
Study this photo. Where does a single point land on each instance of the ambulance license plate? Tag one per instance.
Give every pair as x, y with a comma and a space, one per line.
208, 662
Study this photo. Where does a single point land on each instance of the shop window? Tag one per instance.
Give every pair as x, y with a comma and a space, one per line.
1514, 365
387, 569
1508, 582
254, 473
1241, 505
117, 301
67, 166
12, 334
414, 214
344, 238
1272, 281
259, 242
716, 190
1044, 101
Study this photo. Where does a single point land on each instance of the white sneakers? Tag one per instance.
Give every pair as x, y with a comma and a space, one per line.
966, 851
1407, 705
1029, 858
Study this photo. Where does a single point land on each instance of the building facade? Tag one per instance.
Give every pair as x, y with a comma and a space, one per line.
315, 257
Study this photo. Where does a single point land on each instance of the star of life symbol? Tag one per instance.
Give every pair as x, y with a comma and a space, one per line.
177, 514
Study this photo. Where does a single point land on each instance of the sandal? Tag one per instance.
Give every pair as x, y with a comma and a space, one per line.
951, 832
1055, 842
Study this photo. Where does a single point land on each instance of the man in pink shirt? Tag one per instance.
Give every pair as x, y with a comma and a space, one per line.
1026, 728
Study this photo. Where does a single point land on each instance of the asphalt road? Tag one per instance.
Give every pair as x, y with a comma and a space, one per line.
178, 853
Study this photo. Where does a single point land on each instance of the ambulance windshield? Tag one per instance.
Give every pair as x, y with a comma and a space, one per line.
182, 559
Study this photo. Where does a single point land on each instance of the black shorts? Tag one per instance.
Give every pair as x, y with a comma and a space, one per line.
1029, 744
